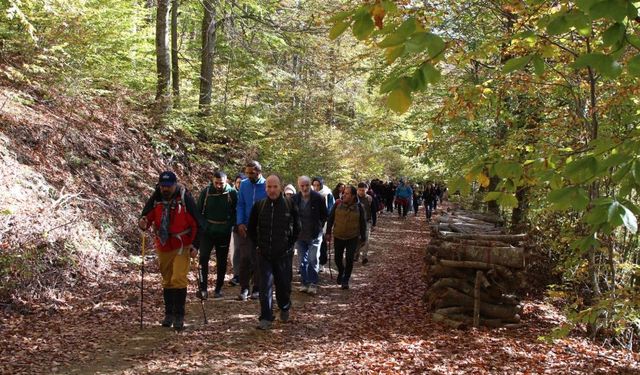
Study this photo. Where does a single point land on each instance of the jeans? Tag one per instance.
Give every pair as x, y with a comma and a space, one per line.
309, 252
344, 272
235, 261
278, 271
248, 264
363, 247
221, 244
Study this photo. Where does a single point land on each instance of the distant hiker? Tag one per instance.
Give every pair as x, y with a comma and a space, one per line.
370, 206
338, 190
389, 195
289, 191
173, 214
233, 246
438, 194
347, 225
217, 204
325, 192
416, 201
252, 189
313, 216
403, 196
274, 225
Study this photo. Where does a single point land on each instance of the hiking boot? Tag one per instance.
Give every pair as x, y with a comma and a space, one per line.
168, 320
345, 285
264, 324
178, 324
217, 294
365, 260
244, 295
304, 289
255, 295
235, 280
202, 294
339, 280
284, 316
312, 290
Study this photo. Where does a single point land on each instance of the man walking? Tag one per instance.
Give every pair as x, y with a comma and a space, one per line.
172, 213
217, 203
252, 189
325, 192
403, 196
274, 225
347, 224
369, 205
313, 215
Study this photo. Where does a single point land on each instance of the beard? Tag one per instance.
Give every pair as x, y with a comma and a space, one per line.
166, 195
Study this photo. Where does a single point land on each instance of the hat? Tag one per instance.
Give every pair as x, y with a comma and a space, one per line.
289, 188
167, 178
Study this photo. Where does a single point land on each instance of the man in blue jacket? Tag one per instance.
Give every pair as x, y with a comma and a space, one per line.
403, 196
313, 215
252, 189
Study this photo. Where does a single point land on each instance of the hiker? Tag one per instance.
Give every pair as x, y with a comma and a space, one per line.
217, 204
370, 206
252, 189
313, 215
416, 201
429, 198
273, 226
172, 212
389, 195
338, 190
325, 192
346, 226
403, 196
289, 191
233, 246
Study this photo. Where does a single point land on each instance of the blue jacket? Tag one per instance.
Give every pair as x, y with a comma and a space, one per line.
249, 194
404, 191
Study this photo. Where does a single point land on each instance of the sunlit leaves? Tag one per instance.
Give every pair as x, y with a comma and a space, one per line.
399, 100
363, 24
506, 200
613, 34
633, 66
569, 197
603, 64
338, 29
516, 63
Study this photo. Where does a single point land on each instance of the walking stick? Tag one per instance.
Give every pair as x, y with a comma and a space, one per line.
204, 313
144, 242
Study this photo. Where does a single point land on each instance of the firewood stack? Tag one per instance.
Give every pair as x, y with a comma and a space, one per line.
472, 268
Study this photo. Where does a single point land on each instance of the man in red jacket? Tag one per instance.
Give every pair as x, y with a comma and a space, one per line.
172, 212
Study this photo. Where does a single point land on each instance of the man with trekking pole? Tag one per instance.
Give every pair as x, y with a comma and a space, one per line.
171, 211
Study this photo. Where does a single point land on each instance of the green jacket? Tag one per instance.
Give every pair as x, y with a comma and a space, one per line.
218, 209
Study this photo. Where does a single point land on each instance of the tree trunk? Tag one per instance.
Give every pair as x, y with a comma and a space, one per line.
163, 59
208, 50
175, 71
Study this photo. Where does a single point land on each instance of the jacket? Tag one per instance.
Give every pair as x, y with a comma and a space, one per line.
274, 226
347, 221
184, 222
218, 209
318, 211
248, 194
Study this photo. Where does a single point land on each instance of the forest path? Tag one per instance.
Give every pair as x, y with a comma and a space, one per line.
379, 325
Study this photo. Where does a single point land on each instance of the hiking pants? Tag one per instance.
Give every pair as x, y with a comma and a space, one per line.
344, 272
278, 271
221, 244
248, 264
235, 258
309, 252
174, 268
363, 247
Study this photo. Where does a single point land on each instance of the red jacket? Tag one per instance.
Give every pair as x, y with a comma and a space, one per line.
183, 228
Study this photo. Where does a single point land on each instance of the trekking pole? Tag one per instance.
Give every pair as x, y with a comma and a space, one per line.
144, 242
204, 313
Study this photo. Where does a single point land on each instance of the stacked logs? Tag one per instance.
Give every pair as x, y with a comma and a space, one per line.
472, 268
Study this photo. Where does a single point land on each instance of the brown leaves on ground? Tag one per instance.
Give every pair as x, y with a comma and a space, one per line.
377, 326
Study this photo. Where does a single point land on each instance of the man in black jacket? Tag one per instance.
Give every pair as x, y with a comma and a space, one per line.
313, 215
274, 225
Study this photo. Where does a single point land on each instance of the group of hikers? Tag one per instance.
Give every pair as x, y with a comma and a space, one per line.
265, 223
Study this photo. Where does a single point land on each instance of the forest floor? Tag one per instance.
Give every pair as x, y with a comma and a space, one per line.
378, 326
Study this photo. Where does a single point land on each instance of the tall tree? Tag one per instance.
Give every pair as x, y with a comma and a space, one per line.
175, 71
163, 59
208, 51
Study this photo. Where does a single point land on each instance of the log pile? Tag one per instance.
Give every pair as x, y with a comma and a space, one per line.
472, 268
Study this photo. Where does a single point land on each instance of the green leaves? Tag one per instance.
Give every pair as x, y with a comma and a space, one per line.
399, 100
503, 199
603, 64
633, 66
569, 197
338, 29
614, 34
423, 40
363, 25
613, 9
516, 63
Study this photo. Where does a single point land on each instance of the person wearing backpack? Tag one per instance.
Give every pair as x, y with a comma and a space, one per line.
369, 204
274, 225
252, 189
313, 215
346, 225
217, 203
172, 212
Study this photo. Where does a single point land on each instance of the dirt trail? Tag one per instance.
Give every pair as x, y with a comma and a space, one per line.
377, 326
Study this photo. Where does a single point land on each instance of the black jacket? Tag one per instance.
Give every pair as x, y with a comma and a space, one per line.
274, 226
318, 211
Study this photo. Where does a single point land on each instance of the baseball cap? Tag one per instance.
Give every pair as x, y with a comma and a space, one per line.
167, 178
